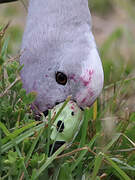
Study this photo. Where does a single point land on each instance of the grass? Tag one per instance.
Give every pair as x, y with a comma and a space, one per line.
101, 7
104, 147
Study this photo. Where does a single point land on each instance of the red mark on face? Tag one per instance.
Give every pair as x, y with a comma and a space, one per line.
91, 72
46, 75
87, 77
84, 100
89, 94
84, 82
72, 77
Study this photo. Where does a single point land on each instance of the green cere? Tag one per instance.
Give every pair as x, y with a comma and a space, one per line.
67, 125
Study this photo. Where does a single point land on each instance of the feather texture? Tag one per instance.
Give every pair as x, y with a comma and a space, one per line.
58, 38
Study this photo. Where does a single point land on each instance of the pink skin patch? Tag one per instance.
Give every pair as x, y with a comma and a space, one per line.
87, 77
84, 100
72, 77
90, 94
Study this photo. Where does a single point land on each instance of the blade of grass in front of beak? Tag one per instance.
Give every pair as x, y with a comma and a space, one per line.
61, 109
48, 132
84, 128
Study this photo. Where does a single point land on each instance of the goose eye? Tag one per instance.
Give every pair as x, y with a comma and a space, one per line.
61, 78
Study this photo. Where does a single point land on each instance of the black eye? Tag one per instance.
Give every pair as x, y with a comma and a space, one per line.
72, 113
60, 126
45, 113
61, 78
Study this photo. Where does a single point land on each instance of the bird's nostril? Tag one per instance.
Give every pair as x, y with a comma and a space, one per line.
60, 126
45, 113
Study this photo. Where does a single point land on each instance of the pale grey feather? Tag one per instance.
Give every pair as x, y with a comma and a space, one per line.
58, 38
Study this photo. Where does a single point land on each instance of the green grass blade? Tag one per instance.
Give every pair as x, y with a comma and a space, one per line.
21, 157
84, 127
20, 138
49, 160
33, 146
17, 132
4, 48
125, 165
82, 154
114, 139
97, 164
48, 132
61, 109
83, 135
24, 167
119, 82
64, 173
117, 168
133, 144
4, 129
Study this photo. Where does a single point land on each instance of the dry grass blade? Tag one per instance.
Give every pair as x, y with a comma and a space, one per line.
4, 29
75, 151
118, 82
9, 87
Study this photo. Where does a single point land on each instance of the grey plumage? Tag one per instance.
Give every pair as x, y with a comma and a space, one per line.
58, 37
